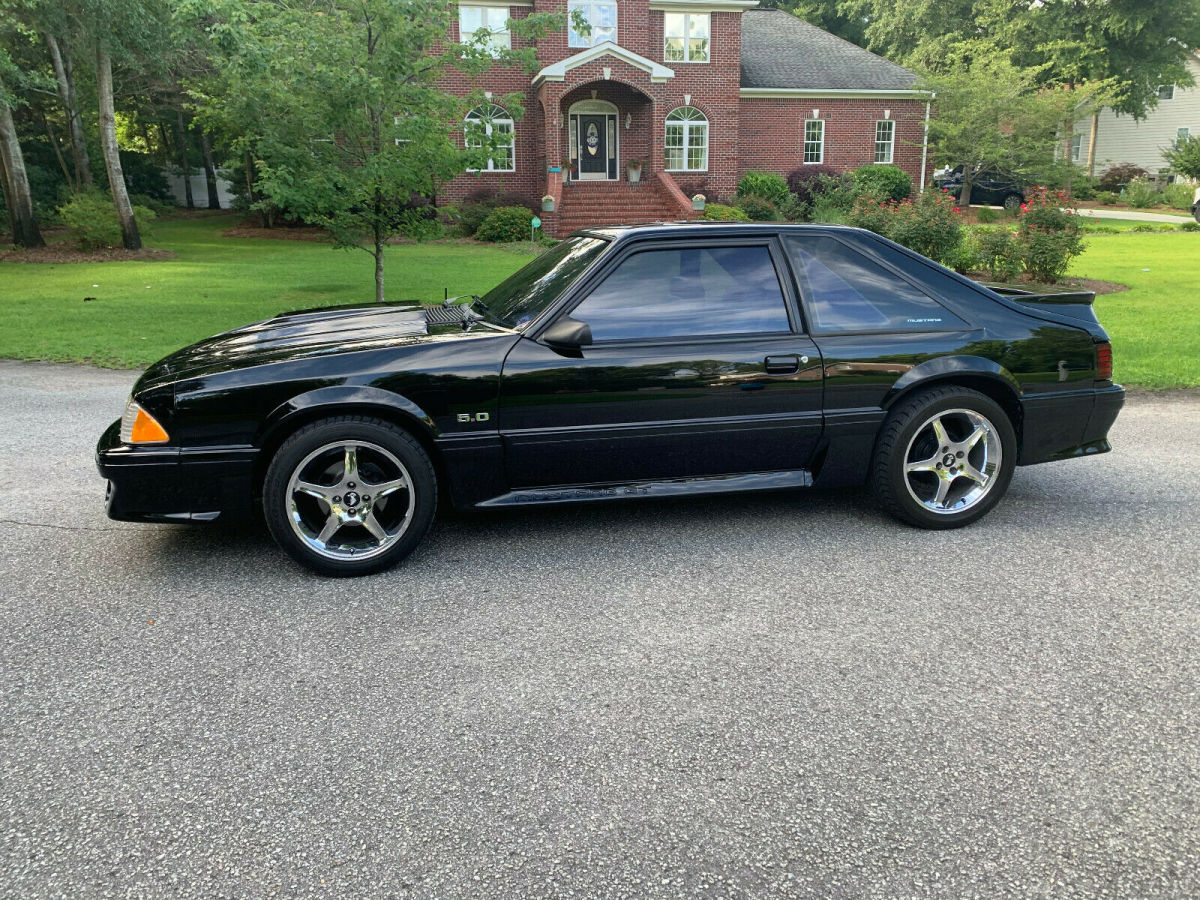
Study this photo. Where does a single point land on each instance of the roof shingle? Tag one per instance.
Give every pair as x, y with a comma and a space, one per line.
782, 51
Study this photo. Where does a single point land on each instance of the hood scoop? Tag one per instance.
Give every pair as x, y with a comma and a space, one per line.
450, 314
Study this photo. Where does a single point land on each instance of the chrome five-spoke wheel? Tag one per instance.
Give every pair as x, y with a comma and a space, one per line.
952, 460
350, 500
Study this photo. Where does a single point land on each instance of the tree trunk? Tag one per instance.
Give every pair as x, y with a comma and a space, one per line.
112, 158
964, 195
1092, 145
181, 135
210, 171
20, 201
1068, 146
8, 204
62, 163
377, 230
64, 74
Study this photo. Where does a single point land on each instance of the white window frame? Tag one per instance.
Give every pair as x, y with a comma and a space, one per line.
888, 146
691, 125
591, 40
489, 116
1166, 92
1076, 147
1183, 134
820, 144
501, 39
687, 18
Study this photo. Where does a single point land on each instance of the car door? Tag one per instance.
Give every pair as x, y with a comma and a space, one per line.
696, 367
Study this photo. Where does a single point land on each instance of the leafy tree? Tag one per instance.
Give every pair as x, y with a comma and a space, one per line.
992, 115
360, 131
17, 195
1183, 156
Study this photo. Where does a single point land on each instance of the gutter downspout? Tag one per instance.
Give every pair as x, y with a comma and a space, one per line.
925, 141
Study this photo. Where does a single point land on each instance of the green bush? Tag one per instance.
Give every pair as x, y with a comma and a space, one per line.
1141, 194
793, 210
771, 188
719, 212
985, 215
1106, 198
1084, 188
1049, 236
997, 253
1143, 228
807, 182
92, 220
1190, 226
930, 225
1178, 195
834, 197
157, 206
872, 214
885, 182
759, 209
505, 224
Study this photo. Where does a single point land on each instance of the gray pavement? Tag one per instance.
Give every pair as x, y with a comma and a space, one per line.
765, 696
1135, 215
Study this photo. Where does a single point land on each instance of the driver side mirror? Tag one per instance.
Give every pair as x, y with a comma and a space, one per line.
568, 334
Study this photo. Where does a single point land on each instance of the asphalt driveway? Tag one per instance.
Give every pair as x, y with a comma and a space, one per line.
785, 695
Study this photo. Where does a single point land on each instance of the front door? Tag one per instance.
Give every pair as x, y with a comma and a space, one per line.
593, 146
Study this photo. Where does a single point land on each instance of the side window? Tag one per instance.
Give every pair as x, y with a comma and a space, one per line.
684, 292
848, 292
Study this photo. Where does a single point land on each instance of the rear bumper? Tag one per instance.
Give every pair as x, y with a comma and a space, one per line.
166, 484
1068, 425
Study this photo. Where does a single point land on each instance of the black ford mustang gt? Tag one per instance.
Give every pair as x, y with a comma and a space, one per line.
625, 362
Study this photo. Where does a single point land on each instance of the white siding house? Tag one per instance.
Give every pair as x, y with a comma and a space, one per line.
1122, 139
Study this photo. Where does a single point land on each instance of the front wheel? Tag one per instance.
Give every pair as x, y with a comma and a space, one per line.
945, 457
349, 495
1013, 202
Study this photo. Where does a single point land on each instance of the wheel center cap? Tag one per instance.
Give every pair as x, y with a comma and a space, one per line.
948, 459
350, 498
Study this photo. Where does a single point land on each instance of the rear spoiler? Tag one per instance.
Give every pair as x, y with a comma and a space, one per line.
1065, 301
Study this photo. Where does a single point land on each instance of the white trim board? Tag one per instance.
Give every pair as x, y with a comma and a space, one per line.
558, 71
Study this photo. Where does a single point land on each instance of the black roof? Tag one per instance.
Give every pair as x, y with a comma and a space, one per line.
782, 51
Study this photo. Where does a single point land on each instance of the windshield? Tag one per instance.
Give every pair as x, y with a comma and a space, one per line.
519, 298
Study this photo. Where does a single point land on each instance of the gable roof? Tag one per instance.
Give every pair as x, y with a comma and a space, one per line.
558, 71
784, 52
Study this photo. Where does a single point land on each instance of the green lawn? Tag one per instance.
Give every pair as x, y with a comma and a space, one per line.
144, 310
1155, 325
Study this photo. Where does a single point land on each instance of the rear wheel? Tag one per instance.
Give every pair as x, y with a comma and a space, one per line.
349, 495
945, 457
1013, 202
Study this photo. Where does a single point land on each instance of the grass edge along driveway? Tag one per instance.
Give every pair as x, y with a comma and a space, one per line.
144, 310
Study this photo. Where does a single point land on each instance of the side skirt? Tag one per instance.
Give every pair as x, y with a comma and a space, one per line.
679, 487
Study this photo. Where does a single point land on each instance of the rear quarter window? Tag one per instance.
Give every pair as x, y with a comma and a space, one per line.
845, 291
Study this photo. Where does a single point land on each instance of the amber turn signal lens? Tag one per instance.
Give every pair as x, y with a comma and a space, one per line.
146, 430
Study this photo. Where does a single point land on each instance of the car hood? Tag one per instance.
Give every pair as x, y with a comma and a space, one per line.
305, 334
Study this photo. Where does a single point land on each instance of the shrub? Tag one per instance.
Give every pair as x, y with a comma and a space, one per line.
931, 225
770, 187
1140, 194
1084, 188
92, 220
872, 214
793, 210
886, 182
1120, 175
157, 206
505, 224
719, 212
806, 182
997, 253
1178, 195
834, 199
478, 205
1106, 198
759, 209
985, 215
1049, 235
1190, 226
1143, 228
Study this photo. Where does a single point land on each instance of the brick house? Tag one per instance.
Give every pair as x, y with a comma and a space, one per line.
698, 91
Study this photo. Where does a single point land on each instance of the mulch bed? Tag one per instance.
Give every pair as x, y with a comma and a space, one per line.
248, 229
60, 253
1087, 284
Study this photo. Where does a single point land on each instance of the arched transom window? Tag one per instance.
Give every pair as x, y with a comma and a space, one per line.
687, 140
490, 127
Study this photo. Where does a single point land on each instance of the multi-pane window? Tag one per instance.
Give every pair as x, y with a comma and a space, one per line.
601, 16
885, 140
814, 140
1182, 134
1076, 147
686, 37
1166, 92
491, 127
687, 140
492, 19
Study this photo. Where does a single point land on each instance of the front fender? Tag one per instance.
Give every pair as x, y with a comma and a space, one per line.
338, 400
947, 367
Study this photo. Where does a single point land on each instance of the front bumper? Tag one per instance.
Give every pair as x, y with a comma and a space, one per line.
1068, 425
169, 484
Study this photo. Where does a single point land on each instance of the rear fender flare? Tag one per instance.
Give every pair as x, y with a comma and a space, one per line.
946, 369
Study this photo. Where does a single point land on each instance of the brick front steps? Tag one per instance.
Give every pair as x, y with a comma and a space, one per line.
586, 204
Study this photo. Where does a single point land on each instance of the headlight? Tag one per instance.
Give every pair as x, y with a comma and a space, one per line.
139, 427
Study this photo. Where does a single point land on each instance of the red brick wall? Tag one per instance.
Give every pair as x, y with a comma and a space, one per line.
772, 132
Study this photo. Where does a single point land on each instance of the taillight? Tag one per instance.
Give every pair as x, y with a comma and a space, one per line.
1104, 361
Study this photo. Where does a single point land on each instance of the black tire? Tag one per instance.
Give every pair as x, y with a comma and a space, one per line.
943, 490
1013, 202
307, 488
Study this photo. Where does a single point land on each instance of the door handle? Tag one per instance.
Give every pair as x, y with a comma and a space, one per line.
782, 365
